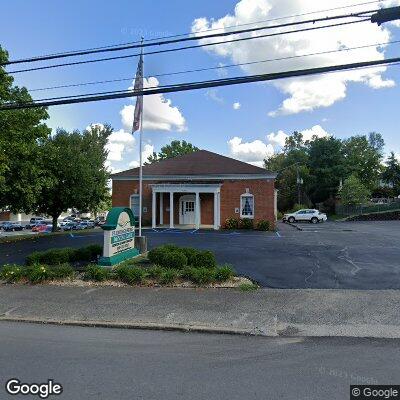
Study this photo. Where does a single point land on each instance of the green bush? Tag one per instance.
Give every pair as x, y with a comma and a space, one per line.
190, 253
202, 276
279, 216
156, 255
187, 273
12, 273
263, 225
154, 272
224, 273
38, 273
168, 276
96, 273
62, 271
298, 207
246, 223
231, 223
130, 275
204, 259
247, 287
64, 255
174, 259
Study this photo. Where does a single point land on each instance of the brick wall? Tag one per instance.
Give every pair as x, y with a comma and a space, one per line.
263, 191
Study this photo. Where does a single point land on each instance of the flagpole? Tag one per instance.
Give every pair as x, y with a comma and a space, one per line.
140, 155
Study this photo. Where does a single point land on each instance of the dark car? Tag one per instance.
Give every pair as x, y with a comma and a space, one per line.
12, 226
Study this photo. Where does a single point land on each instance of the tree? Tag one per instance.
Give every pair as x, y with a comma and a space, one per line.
174, 149
21, 177
391, 173
353, 192
76, 173
363, 157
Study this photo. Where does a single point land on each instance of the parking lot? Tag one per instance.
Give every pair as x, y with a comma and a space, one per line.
333, 255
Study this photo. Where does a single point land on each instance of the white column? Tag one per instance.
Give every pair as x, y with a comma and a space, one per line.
171, 209
197, 211
219, 209
153, 209
161, 208
215, 210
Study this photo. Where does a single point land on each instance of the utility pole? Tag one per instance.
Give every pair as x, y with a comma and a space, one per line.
386, 15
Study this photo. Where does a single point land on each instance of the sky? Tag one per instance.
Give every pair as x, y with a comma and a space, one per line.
248, 122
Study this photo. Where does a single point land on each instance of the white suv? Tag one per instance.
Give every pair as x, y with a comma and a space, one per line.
313, 216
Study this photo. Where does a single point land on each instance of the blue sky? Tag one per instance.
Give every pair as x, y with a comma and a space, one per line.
340, 106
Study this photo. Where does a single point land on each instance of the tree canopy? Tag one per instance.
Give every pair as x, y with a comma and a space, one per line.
76, 173
174, 149
20, 175
323, 163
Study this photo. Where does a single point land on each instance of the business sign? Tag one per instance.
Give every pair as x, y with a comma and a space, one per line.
119, 236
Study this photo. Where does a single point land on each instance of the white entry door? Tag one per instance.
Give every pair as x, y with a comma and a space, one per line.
188, 213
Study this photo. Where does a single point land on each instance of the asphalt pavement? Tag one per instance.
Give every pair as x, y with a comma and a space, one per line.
333, 255
96, 363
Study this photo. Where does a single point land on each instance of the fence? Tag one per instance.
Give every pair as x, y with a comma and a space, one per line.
367, 208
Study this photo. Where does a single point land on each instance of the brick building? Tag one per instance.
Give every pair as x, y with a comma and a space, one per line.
197, 189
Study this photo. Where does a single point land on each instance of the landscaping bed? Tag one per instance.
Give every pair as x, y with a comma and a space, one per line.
167, 265
378, 216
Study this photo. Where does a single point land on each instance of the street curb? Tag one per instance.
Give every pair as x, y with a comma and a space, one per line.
137, 326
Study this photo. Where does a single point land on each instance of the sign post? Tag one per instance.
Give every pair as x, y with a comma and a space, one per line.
119, 237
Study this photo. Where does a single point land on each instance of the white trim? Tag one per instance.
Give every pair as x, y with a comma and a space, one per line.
185, 197
197, 211
267, 176
186, 188
161, 208
153, 210
171, 210
242, 196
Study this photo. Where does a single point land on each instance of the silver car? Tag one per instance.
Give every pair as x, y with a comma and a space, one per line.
309, 215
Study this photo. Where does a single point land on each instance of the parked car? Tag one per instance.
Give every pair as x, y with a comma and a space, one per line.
2, 223
37, 223
84, 225
43, 228
310, 215
12, 226
67, 226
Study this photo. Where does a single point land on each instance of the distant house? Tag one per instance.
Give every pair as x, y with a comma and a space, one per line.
200, 189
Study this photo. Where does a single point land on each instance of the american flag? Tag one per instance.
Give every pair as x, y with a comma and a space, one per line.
139, 99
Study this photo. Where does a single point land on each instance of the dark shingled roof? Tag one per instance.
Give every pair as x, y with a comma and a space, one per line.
201, 162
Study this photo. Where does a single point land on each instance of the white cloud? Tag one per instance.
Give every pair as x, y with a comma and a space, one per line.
213, 95
148, 150
316, 130
252, 152
110, 168
308, 93
278, 138
159, 114
236, 106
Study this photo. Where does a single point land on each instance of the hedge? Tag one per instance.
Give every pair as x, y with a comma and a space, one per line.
65, 255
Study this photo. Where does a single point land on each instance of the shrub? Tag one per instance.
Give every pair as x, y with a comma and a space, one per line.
231, 223
135, 275
168, 276
224, 273
62, 271
202, 276
64, 255
96, 273
38, 273
204, 259
279, 216
191, 254
247, 287
156, 255
188, 273
12, 273
246, 223
263, 225
174, 259
154, 272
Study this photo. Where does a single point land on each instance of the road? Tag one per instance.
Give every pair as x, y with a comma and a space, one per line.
354, 255
97, 363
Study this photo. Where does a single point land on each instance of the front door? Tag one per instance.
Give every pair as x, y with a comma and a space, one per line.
188, 212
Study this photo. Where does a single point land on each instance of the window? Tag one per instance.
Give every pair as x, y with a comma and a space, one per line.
135, 204
247, 206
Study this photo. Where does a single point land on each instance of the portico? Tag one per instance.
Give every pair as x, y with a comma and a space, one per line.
190, 198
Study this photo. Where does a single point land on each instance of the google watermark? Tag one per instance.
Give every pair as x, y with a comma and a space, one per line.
43, 390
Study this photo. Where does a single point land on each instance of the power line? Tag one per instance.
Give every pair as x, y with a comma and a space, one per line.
217, 67
206, 84
188, 47
186, 39
112, 47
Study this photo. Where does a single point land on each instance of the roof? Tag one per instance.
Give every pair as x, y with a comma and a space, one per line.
198, 163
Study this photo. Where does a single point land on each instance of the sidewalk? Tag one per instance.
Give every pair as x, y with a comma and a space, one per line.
263, 312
